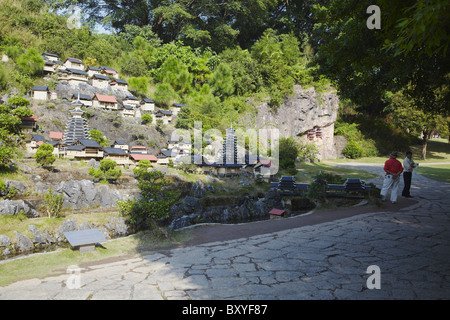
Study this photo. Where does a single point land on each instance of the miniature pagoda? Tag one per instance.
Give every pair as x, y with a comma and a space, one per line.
229, 151
76, 126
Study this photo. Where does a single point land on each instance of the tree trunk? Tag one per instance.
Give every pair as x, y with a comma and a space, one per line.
426, 135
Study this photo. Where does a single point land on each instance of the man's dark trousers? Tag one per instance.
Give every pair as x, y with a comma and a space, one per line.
407, 180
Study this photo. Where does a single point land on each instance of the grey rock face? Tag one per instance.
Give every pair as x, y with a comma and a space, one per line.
247, 209
13, 207
303, 111
23, 244
4, 241
38, 236
84, 194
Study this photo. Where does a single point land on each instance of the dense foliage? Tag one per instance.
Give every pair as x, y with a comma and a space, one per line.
44, 155
107, 172
216, 55
156, 198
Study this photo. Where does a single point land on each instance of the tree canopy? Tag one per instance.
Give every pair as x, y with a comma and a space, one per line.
408, 52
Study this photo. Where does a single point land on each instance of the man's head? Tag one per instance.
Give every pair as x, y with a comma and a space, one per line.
394, 154
409, 154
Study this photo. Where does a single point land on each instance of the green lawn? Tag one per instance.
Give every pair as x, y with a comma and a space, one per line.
57, 262
436, 166
306, 172
438, 150
439, 172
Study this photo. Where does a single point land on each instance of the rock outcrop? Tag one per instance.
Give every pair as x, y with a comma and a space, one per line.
194, 211
304, 111
14, 207
79, 194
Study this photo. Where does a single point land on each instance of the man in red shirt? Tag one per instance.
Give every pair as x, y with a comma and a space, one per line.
393, 169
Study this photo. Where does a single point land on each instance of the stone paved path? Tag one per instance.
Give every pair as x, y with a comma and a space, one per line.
411, 247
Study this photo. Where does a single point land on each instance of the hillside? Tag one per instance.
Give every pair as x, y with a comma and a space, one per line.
53, 116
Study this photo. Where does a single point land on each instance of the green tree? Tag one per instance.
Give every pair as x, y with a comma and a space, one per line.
108, 171
19, 102
175, 73
147, 118
133, 64
44, 155
3, 79
131, 32
165, 95
407, 116
53, 203
142, 167
157, 196
245, 70
31, 62
277, 55
221, 81
139, 85
288, 152
98, 136
10, 134
365, 63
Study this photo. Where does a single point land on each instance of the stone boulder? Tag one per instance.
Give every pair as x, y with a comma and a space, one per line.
84, 193
13, 207
38, 237
67, 226
190, 211
5, 241
23, 244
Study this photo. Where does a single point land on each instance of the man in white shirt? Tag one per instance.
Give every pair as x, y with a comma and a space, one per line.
408, 166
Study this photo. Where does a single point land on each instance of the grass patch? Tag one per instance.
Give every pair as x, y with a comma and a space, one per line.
12, 173
20, 223
306, 172
437, 172
438, 150
55, 263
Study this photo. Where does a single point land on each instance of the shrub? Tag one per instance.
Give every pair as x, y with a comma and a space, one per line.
53, 203
353, 150
157, 197
44, 155
288, 151
147, 118
106, 172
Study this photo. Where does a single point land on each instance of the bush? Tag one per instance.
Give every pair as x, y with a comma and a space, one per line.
53, 203
358, 145
157, 197
317, 190
44, 155
353, 150
147, 118
288, 152
106, 172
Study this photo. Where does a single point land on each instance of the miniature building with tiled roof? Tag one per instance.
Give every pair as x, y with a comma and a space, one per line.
76, 127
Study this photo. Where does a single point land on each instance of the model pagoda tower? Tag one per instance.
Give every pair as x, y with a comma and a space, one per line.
76, 126
229, 152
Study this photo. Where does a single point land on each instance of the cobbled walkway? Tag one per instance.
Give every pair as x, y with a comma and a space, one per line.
411, 248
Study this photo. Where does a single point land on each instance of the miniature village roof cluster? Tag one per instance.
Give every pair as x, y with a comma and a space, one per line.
74, 142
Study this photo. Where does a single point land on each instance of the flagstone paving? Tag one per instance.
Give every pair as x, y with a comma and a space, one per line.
325, 261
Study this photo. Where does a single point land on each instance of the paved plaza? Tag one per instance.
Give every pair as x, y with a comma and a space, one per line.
408, 249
